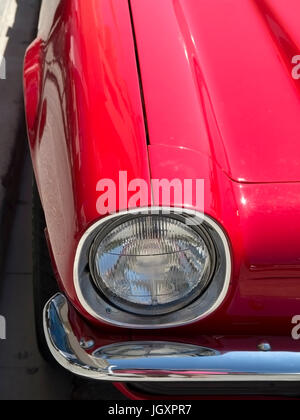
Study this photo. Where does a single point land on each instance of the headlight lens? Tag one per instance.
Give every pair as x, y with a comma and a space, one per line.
152, 264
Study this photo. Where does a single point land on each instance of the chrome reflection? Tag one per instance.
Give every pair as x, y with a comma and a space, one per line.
160, 361
132, 350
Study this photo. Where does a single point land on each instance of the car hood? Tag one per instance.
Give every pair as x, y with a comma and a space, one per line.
217, 78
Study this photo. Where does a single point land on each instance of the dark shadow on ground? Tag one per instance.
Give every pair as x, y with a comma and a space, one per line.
24, 374
12, 122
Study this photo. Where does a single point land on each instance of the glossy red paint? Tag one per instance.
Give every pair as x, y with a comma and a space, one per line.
217, 79
32, 87
262, 222
220, 105
89, 124
222, 343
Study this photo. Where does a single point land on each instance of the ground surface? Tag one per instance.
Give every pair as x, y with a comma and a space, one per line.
18, 26
23, 373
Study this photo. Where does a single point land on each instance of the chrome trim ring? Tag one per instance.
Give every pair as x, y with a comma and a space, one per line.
161, 361
98, 306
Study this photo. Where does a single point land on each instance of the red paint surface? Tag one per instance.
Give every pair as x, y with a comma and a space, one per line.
221, 105
89, 124
217, 79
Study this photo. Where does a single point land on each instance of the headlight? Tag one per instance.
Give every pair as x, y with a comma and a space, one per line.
152, 264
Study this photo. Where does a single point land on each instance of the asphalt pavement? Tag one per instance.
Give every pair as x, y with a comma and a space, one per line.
24, 375
18, 27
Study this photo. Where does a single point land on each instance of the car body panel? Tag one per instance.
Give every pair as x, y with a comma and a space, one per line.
220, 106
263, 224
217, 79
88, 124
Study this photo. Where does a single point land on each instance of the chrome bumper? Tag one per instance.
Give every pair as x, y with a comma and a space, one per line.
160, 361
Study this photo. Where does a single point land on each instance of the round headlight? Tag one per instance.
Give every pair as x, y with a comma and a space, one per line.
152, 264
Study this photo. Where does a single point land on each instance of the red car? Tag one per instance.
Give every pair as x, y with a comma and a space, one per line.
165, 141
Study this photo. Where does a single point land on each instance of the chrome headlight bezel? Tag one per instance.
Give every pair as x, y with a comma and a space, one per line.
100, 308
